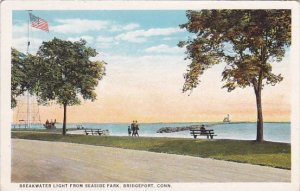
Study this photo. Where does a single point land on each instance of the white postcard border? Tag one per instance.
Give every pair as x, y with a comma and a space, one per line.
6, 113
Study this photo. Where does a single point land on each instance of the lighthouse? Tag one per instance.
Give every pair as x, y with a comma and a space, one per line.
226, 119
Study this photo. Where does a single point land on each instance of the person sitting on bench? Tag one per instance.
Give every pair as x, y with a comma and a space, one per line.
202, 129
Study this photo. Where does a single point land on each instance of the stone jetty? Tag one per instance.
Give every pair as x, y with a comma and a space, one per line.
176, 129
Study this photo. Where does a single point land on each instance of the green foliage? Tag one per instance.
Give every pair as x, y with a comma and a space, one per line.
265, 153
247, 40
19, 84
64, 71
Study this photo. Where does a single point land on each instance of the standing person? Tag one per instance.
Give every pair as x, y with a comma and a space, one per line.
137, 128
133, 128
129, 131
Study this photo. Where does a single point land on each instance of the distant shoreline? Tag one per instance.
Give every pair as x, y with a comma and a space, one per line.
220, 122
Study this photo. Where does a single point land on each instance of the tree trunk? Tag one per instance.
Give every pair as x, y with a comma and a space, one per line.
65, 120
260, 122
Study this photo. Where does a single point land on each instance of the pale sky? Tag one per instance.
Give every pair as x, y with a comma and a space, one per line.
145, 71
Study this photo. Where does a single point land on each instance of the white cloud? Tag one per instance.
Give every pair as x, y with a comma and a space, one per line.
131, 38
163, 48
89, 39
85, 25
131, 26
140, 65
139, 36
21, 44
105, 42
128, 27
104, 39
78, 25
17, 29
22, 29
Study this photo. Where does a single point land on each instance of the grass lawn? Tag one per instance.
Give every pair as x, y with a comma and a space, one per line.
267, 153
58, 130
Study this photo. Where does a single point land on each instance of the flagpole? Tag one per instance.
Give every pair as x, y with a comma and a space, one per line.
39, 23
28, 27
28, 95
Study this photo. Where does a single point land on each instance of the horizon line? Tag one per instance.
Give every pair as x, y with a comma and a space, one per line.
177, 122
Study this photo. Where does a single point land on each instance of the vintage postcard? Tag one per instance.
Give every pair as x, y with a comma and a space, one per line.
150, 95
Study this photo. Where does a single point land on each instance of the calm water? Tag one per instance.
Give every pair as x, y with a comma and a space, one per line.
278, 132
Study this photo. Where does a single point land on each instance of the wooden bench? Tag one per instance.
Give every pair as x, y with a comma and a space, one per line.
209, 133
99, 131
93, 131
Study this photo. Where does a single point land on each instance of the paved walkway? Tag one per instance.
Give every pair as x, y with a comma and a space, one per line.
42, 161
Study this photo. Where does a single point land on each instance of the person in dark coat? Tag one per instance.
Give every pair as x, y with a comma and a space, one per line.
129, 131
136, 129
133, 128
202, 129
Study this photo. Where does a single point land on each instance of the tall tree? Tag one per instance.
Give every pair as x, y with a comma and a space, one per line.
66, 74
18, 75
248, 41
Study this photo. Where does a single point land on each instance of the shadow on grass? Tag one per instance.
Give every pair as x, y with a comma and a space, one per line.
266, 153
226, 147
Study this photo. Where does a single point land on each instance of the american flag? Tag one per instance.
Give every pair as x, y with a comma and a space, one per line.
38, 22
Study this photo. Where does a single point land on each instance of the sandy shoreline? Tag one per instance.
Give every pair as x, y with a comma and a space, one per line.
42, 161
